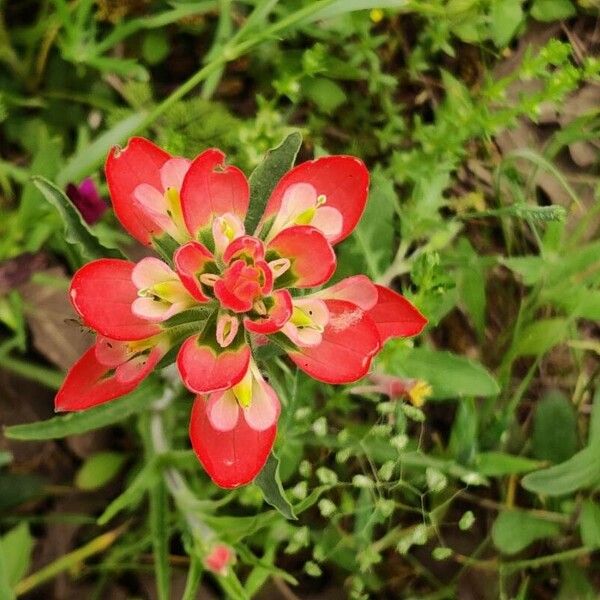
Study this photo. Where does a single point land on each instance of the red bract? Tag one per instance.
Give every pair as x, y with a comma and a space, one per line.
245, 283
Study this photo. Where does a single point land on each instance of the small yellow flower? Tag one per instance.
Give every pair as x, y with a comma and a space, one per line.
376, 15
419, 392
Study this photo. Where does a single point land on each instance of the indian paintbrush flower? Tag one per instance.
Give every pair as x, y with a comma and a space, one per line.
248, 286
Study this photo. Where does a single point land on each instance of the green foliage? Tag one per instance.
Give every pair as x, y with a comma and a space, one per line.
495, 243
265, 177
513, 531
98, 470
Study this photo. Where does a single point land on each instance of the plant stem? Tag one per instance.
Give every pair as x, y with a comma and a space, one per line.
99, 544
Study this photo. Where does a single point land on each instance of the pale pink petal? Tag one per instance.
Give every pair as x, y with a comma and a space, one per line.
150, 198
302, 337
223, 410
297, 199
110, 353
315, 308
264, 409
138, 366
150, 271
359, 290
150, 309
227, 328
329, 220
173, 172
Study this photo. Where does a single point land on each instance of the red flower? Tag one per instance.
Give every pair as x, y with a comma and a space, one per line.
247, 283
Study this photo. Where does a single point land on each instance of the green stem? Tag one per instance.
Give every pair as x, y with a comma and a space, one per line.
68, 561
228, 54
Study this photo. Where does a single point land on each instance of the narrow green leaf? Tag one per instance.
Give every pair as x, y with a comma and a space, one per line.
98, 470
589, 524
88, 158
76, 230
93, 418
133, 493
17, 546
514, 530
160, 537
539, 337
5, 587
265, 177
496, 464
269, 482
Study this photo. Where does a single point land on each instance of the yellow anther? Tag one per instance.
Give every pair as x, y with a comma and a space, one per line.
243, 390
174, 207
165, 289
227, 229
419, 393
260, 308
301, 319
305, 218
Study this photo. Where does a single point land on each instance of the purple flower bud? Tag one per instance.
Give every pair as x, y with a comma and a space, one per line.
87, 200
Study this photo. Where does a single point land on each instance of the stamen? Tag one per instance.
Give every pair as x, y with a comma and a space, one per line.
279, 266
209, 279
259, 307
321, 199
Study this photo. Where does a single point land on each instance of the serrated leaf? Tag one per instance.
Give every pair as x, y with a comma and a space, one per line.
265, 177
17, 546
76, 230
514, 530
93, 418
98, 470
269, 482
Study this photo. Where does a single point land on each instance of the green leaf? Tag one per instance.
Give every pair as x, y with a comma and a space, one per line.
159, 529
496, 464
589, 524
269, 482
514, 530
505, 18
16, 489
546, 445
16, 546
93, 418
265, 177
133, 494
326, 94
581, 471
374, 235
88, 158
76, 229
539, 337
98, 470
5, 587
5, 458
450, 375
552, 10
